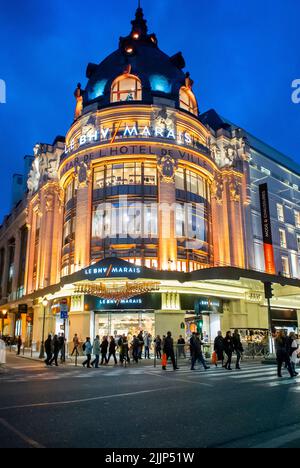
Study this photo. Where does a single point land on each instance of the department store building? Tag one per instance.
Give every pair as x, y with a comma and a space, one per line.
147, 214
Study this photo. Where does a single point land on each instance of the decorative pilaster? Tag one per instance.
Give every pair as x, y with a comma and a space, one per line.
167, 167
83, 216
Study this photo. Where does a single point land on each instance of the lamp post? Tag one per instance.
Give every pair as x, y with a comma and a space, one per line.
42, 351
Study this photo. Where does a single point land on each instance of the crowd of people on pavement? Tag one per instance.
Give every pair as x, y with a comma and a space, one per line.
139, 347
55, 346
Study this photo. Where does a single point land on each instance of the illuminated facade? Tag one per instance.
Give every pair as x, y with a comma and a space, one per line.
147, 213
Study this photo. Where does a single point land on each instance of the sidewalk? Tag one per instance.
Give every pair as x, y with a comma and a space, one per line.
71, 361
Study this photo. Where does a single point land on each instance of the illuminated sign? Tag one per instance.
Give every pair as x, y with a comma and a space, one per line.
112, 270
267, 229
132, 149
122, 302
144, 302
94, 135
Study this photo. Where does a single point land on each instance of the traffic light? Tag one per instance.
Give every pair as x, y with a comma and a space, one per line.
268, 290
199, 323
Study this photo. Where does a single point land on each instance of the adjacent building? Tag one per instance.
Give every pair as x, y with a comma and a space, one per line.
147, 215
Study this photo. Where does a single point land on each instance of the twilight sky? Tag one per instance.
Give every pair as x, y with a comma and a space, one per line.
242, 55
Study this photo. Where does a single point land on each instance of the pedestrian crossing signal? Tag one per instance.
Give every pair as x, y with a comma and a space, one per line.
268, 291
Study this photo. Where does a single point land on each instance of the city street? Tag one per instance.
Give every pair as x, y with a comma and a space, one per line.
143, 407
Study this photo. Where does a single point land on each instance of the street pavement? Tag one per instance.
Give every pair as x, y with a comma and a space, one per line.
144, 407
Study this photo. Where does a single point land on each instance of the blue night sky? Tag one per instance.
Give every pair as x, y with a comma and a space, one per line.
242, 55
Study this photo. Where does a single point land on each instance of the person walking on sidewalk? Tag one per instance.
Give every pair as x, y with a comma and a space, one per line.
228, 348
141, 340
158, 343
168, 349
88, 352
219, 348
135, 349
48, 349
282, 355
104, 348
75, 345
96, 351
147, 345
112, 350
293, 351
56, 348
19, 344
238, 347
181, 347
197, 354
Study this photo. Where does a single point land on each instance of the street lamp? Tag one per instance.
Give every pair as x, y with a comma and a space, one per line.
42, 351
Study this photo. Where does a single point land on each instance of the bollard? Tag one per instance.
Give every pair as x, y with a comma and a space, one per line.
31, 352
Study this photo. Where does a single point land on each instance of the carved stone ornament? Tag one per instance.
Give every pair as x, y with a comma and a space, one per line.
235, 190
44, 168
217, 189
83, 174
165, 119
167, 167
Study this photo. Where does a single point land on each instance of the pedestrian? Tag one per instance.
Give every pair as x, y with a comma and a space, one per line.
124, 354
112, 350
48, 349
62, 348
237, 347
87, 348
158, 343
56, 348
75, 345
219, 348
181, 347
228, 348
147, 345
96, 351
135, 349
19, 344
197, 355
141, 340
282, 355
168, 349
104, 348
293, 351
2, 352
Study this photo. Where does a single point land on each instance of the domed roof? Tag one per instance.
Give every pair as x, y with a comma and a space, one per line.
138, 55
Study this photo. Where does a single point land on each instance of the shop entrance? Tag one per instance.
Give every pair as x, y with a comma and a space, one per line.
119, 322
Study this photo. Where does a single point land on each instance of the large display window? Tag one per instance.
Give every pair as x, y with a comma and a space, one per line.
130, 323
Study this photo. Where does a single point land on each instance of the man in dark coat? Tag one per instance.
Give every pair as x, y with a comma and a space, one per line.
238, 347
219, 347
48, 349
196, 350
104, 348
168, 349
282, 354
56, 348
112, 350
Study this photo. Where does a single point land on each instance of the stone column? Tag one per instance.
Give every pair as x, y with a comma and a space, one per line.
83, 217
16, 263
167, 167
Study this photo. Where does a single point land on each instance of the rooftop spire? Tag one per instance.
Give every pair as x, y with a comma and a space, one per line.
139, 24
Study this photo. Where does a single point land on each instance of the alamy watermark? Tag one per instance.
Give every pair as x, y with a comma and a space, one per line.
2, 92
296, 93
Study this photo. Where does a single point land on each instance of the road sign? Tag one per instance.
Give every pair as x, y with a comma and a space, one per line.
64, 310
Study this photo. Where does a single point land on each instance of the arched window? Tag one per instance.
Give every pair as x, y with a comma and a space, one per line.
188, 101
126, 88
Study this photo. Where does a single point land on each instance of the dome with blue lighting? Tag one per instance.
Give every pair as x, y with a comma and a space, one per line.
137, 71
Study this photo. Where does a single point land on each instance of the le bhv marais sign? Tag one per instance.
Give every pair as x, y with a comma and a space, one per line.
94, 135
111, 270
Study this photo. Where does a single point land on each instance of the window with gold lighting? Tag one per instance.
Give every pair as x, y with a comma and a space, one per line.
126, 88
187, 101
